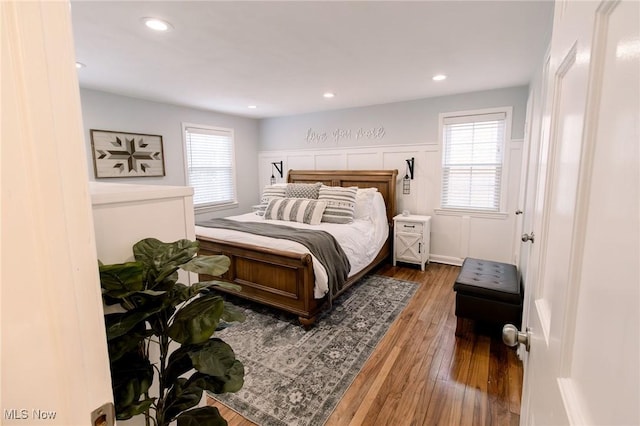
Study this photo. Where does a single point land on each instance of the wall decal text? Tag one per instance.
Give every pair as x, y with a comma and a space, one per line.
338, 135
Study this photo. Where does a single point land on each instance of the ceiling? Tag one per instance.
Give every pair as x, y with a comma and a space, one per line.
282, 56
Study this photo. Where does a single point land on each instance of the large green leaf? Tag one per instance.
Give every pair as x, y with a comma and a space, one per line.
181, 293
122, 322
215, 283
197, 321
232, 383
119, 324
210, 265
180, 397
203, 416
179, 363
232, 314
148, 300
134, 409
128, 342
120, 280
131, 377
164, 258
218, 370
214, 358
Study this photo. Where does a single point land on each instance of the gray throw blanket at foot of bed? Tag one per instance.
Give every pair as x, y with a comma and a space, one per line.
322, 245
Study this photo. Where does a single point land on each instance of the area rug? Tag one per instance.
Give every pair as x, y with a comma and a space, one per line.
297, 377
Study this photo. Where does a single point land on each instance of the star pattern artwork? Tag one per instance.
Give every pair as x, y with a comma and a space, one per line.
120, 154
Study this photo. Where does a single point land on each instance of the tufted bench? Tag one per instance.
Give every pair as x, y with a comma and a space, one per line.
488, 291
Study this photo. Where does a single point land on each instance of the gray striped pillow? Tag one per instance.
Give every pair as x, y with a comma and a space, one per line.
269, 193
295, 210
341, 203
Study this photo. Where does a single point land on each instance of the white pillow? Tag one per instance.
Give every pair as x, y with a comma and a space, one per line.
364, 203
301, 210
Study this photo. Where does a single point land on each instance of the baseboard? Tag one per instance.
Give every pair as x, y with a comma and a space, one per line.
448, 260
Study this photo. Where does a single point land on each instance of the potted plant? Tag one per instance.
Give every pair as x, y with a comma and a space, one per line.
174, 323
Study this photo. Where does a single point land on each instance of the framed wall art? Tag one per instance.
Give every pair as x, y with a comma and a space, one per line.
123, 154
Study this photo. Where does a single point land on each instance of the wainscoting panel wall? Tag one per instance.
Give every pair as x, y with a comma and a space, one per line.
454, 235
124, 214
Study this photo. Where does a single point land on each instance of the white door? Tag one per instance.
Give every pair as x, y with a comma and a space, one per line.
527, 146
583, 310
54, 362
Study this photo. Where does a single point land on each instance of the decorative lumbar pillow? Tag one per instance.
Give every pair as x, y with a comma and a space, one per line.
303, 190
340, 201
301, 210
269, 193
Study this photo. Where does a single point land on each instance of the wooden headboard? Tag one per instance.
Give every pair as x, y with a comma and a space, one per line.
383, 180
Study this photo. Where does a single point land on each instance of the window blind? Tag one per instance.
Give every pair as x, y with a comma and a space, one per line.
472, 161
210, 165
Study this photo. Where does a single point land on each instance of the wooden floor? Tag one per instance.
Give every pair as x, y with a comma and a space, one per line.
422, 374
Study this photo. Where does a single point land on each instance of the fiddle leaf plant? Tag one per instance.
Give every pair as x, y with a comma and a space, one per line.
156, 314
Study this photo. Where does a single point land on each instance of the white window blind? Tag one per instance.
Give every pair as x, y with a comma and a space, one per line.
472, 161
210, 165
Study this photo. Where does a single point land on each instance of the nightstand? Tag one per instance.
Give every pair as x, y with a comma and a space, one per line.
411, 239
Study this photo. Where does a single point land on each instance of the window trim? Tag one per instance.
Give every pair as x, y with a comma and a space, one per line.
210, 207
500, 213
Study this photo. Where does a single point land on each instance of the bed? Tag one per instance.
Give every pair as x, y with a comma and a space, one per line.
285, 278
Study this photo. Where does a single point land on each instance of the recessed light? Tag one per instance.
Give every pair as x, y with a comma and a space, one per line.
439, 77
329, 95
157, 24
252, 107
80, 65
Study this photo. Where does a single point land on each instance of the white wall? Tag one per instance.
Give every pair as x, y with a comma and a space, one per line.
105, 111
410, 130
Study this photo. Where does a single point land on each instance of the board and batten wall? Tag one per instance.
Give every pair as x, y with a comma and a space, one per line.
383, 137
106, 111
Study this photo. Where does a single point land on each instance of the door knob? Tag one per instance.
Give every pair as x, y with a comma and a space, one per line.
511, 336
528, 237
518, 211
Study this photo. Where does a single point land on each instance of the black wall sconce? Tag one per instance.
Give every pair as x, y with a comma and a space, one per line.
278, 166
408, 177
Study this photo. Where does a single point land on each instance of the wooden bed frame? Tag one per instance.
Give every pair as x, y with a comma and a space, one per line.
283, 279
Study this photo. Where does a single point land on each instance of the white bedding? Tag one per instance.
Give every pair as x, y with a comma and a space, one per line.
360, 240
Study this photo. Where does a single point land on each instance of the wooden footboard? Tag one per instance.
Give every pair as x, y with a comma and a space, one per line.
277, 278
282, 279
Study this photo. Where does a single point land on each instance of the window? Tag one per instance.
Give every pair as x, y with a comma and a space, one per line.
472, 161
210, 165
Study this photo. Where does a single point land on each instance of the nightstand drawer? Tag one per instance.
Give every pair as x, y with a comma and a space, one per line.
406, 226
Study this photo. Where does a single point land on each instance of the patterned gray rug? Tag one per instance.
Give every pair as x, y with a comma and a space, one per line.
297, 377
